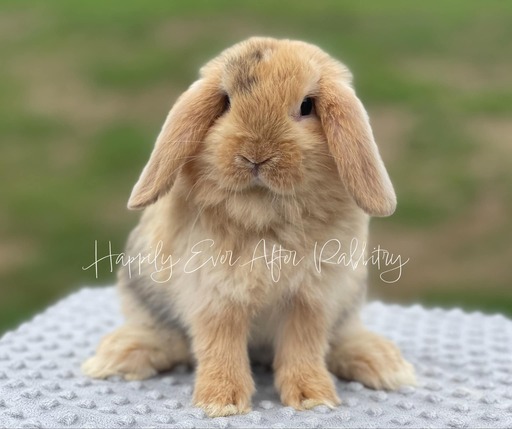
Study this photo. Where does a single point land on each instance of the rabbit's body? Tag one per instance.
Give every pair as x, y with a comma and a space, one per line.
260, 232
290, 257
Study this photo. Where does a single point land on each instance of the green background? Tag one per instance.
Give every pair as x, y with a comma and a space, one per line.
85, 87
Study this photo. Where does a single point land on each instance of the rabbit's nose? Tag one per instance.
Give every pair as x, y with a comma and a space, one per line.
253, 163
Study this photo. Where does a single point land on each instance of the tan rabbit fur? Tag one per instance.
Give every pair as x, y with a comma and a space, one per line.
237, 172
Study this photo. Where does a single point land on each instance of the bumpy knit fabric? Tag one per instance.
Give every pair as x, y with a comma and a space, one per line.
463, 361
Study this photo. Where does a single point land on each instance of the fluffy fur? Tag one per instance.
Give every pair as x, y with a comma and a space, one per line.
207, 206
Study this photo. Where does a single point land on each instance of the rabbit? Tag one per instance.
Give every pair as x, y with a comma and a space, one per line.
266, 162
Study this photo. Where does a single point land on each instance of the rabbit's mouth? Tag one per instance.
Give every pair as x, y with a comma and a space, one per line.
257, 182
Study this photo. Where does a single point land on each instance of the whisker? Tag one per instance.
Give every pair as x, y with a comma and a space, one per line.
201, 179
180, 166
299, 216
200, 212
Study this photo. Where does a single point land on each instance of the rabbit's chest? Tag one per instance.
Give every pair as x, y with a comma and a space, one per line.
263, 272
270, 262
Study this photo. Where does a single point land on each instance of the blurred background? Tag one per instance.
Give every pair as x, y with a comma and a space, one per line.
85, 87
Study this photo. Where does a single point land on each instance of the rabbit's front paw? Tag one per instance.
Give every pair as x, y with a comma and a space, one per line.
218, 395
306, 387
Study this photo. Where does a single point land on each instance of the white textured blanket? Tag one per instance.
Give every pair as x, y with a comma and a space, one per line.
464, 365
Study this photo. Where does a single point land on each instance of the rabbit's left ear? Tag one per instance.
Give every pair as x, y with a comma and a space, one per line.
182, 133
351, 143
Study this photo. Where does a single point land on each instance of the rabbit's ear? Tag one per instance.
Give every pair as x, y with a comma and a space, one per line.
351, 143
184, 129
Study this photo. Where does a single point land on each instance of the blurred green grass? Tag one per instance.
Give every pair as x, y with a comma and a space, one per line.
86, 85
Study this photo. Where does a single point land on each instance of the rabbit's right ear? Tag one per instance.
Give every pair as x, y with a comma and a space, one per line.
182, 133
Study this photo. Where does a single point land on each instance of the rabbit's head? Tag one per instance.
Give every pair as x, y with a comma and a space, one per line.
270, 116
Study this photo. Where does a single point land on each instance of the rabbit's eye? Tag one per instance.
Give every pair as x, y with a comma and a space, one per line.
306, 108
227, 103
